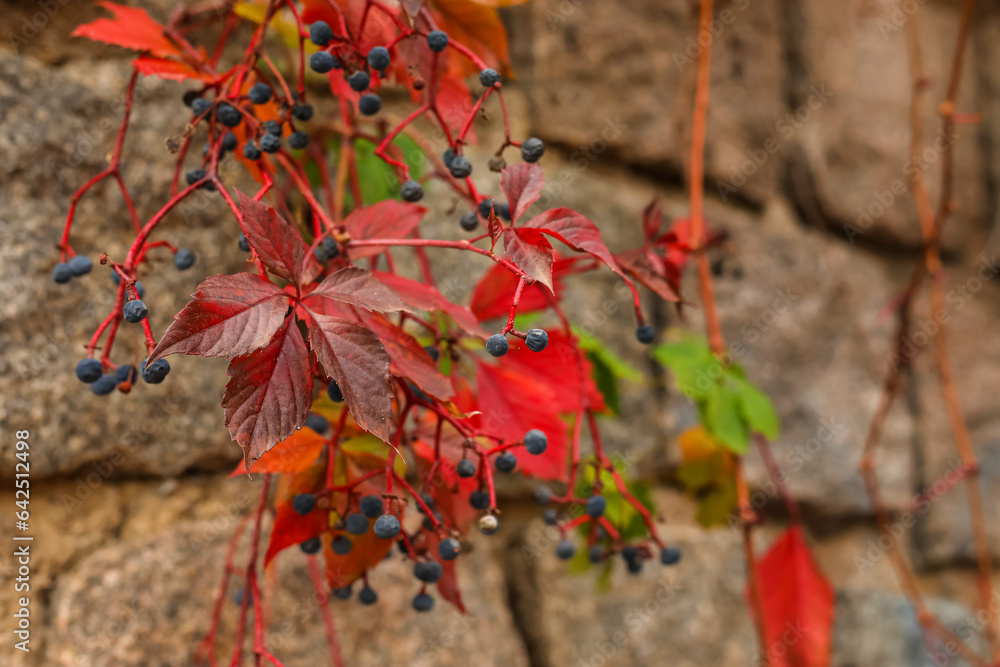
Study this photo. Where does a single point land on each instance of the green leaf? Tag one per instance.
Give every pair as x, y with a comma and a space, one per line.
595, 348
693, 365
758, 411
715, 508
606, 383
377, 177
724, 420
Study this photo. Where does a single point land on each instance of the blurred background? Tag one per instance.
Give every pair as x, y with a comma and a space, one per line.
807, 173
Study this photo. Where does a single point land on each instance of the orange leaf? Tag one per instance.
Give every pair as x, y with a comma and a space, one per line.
478, 27
293, 454
131, 28
797, 603
367, 552
174, 70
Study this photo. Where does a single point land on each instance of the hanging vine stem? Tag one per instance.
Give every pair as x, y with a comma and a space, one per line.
714, 331
931, 266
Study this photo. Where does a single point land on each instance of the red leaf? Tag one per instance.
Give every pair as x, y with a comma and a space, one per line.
275, 241
556, 366
291, 528
229, 316
269, 393
368, 550
531, 252
353, 356
358, 287
796, 598
510, 413
492, 295
451, 492
651, 271
522, 183
384, 220
427, 297
131, 28
410, 359
166, 68
455, 102
293, 454
576, 231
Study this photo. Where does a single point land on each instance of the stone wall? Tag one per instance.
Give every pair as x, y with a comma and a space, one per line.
807, 141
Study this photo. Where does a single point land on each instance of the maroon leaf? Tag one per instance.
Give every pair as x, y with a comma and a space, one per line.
384, 220
269, 393
650, 270
531, 251
410, 359
275, 241
427, 297
522, 183
358, 287
576, 231
354, 356
229, 316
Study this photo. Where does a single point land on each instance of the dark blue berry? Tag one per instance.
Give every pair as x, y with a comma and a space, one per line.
343, 593
89, 370
437, 41
537, 340
273, 127
244, 244
423, 602
465, 468
532, 149
229, 142
320, 33
433, 352
359, 81
565, 550
596, 506
645, 334
330, 247
630, 553
367, 596
543, 495
200, 106
386, 527
333, 391
341, 545
80, 265
460, 167
448, 157
115, 278
469, 222
104, 384
535, 441
194, 176
428, 572
322, 62
126, 373
302, 112
251, 151
634, 566
140, 291
369, 104
371, 506
497, 345
183, 259
356, 523
318, 423
480, 500
155, 372
670, 556
304, 503
550, 517
260, 93
311, 546
229, 115
506, 462
378, 58
503, 211
298, 140
488, 77
61, 273
412, 191
135, 311
595, 553
270, 143
449, 549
